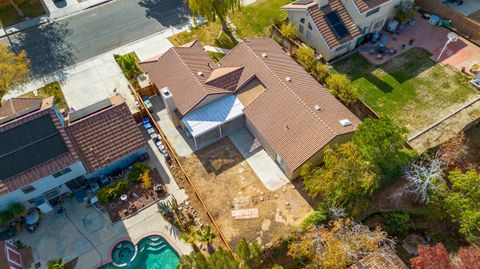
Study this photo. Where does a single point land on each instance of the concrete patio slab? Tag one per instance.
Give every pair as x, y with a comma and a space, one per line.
266, 169
84, 232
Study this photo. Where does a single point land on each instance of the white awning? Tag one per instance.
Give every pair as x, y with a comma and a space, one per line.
213, 115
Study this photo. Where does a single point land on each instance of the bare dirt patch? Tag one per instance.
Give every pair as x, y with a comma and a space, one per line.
226, 182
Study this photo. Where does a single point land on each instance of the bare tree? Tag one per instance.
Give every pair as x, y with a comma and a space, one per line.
425, 175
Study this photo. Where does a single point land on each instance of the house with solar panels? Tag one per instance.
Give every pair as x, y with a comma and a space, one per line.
44, 155
335, 27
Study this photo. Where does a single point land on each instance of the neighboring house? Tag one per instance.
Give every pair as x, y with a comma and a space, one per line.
335, 27
13, 258
44, 155
256, 85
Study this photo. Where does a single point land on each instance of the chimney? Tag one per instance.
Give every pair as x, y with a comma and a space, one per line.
167, 98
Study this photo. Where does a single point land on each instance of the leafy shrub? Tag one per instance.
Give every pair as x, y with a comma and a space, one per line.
128, 64
305, 57
289, 30
320, 72
113, 191
340, 86
146, 180
399, 223
405, 11
137, 170
316, 218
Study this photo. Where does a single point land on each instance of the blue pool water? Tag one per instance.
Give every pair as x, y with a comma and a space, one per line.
152, 252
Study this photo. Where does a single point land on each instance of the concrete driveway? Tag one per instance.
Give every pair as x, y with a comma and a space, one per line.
266, 169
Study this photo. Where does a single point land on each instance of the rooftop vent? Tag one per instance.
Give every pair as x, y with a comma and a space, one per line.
288, 79
200, 73
264, 55
165, 92
317, 107
345, 122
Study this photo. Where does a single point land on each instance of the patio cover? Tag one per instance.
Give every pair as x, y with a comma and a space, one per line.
213, 115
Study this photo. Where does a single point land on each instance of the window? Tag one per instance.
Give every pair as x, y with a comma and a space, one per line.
302, 20
309, 26
378, 25
309, 35
28, 189
300, 28
373, 11
342, 47
62, 172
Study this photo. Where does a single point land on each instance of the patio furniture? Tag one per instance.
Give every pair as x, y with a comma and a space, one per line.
32, 217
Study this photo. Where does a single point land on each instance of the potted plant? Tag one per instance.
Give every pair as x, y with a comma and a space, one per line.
475, 68
55, 264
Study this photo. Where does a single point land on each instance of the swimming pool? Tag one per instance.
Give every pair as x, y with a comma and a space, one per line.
152, 252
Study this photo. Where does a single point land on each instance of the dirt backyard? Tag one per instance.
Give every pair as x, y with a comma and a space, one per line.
226, 183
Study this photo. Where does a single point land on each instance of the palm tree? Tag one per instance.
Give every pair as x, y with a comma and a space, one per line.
213, 9
191, 238
207, 236
55, 264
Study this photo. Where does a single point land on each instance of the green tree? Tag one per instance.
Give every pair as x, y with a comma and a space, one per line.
405, 11
55, 264
289, 30
213, 9
128, 64
381, 142
14, 69
305, 57
341, 86
399, 223
462, 203
249, 254
344, 181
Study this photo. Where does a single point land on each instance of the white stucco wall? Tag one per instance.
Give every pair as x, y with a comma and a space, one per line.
387, 11
43, 185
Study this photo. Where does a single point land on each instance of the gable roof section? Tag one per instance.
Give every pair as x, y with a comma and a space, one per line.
226, 78
285, 113
184, 70
365, 5
51, 166
318, 16
373, 261
16, 105
107, 135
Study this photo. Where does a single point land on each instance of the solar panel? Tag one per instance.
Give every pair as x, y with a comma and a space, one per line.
336, 24
28, 145
90, 110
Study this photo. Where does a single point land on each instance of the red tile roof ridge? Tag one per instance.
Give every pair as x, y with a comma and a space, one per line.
289, 89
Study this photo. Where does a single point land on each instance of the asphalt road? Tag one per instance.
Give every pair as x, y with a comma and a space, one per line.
71, 40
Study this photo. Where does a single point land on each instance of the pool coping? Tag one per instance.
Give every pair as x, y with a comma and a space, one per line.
135, 242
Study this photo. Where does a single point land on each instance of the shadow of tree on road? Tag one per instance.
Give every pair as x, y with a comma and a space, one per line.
46, 48
166, 12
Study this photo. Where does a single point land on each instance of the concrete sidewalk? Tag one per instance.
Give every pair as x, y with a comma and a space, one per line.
266, 169
95, 79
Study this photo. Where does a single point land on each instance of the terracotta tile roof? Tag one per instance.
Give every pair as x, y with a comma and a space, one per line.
106, 136
318, 16
226, 78
380, 262
22, 179
285, 113
16, 105
365, 5
183, 70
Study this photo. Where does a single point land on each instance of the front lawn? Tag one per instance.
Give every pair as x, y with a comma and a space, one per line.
251, 21
411, 88
9, 16
51, 89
